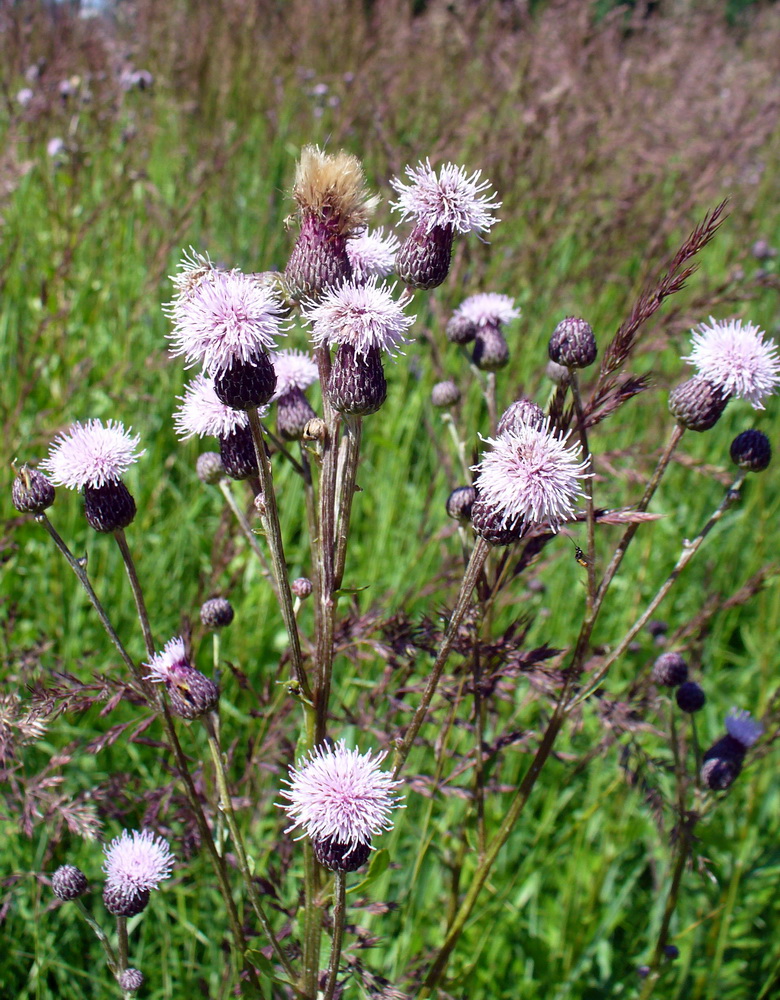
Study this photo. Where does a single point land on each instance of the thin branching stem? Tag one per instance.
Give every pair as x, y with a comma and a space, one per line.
246, 530
135, 586
588, 485
339, 914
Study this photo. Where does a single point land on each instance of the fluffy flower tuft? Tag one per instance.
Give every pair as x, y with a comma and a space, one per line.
340, 794
487, 309
92, 454
163, 666
743, 727
531, 474
371, 252
137, 863
294, 370
736, 360
230, 318
450, 199
202, 413
364, 316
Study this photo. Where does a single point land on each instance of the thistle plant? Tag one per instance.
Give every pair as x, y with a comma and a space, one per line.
538, 485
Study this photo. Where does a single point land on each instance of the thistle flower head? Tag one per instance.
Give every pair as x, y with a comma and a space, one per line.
743, 727
341, 795
136, 863
163, 666
736, 359
332, 186
192, 694
530, 473
194, 267
294, 370
450, 199
372, 253
487, 309
92, 454
202, 413
230, 318
363, 316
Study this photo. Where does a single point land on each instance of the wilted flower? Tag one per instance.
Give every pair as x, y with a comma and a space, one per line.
340, 796
363, 316
91, 454
372, 253
192, 694
231, 319
135, 864
736, 360
529, 473
450, 200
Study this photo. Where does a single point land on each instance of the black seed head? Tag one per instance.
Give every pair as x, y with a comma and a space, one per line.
690, 697
246, 384
340, 857
109, 507
751, 450
670, 670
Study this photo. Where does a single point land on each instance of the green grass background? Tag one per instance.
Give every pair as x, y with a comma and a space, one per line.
599, 186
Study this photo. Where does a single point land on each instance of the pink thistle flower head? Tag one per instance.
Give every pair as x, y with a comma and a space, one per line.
194, 267
341, 795
294, 370
136, 863
192, 694
372, 253
165, 666
531, 474
229, 318
487, 309
92, 454
364, 316
203, 413
736, 360
450, 199
741, 726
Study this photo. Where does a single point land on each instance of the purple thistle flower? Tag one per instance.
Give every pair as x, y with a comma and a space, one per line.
136, 863
203, 413
340, 795
372, 253
294, 370
487, 309
164, 666
362, 316
741, 726
531, 474
736, 360
450, 200
92, 454
192, 694
229, 319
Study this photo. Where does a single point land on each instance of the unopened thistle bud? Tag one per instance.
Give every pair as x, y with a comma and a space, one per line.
751, 450
523, 411
131, 980
557, 373
293, 412
690, 697
460, 502
491, 351
333, 203
209, 467
31, 492
696, 404
301, 588
216, 613
572, 343
445, 394
191, 693
69, 882
670, 670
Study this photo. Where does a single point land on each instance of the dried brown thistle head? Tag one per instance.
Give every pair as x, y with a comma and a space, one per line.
333, 187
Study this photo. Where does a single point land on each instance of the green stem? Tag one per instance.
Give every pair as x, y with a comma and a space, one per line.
339, 913
349, 455
122, 949
111, 957
135, 585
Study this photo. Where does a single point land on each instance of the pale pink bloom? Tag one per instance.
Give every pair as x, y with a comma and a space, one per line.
91, 454
530, 473
202, 413
371, 252
137, 863
229, 318
741, 726
451, 199
294, 370
487, 309
340, 794
361, 315
164, 666
736, 360
193, 268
